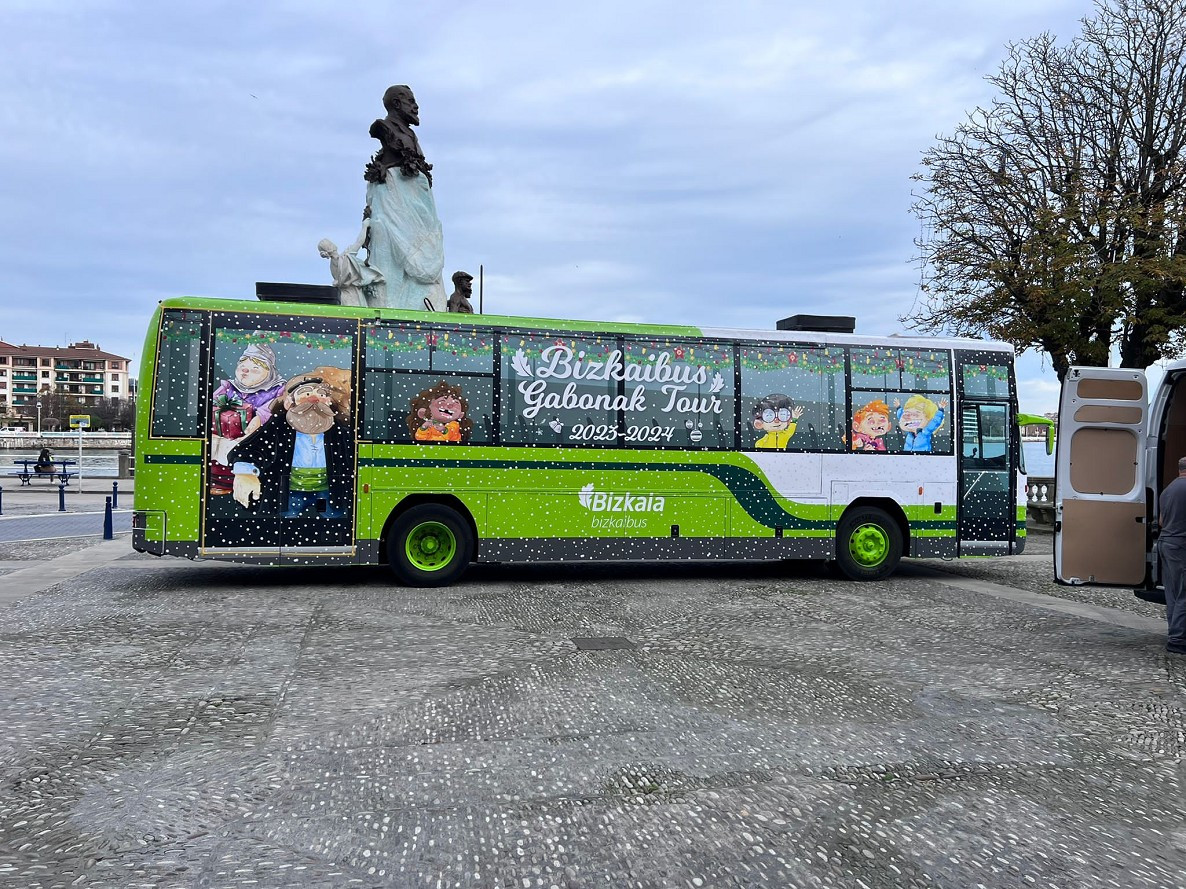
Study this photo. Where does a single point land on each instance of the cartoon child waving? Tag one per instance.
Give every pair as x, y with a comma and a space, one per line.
918, 419
776, 415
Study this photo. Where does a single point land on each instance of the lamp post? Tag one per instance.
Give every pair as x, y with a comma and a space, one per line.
38, 416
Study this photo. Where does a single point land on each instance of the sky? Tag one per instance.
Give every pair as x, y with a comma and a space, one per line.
712, 164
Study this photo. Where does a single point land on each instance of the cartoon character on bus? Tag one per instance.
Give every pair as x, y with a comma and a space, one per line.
869, 425
776, 416
439, 413
919, 418
241, 405
302, 460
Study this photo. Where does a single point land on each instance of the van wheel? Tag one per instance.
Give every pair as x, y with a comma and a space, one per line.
868, 544
429, 546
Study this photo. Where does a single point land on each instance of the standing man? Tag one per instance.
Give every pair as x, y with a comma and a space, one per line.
1172, 543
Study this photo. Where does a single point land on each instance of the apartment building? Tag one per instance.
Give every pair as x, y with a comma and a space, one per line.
81, 370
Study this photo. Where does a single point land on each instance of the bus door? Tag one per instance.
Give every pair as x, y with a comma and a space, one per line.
280, 468
988, 448
1100, 509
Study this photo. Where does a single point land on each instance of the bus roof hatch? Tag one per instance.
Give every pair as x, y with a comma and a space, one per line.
819, 323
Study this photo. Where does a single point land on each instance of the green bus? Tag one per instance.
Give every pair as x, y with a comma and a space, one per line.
294, 434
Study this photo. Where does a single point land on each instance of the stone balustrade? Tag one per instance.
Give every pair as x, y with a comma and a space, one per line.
1039, 500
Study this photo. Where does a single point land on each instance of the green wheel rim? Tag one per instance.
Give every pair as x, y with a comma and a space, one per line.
869, 545
430, 546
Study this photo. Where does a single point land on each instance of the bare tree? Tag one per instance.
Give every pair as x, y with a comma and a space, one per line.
1055, 219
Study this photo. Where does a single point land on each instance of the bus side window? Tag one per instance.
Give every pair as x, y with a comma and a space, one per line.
407, 365
175, 402
786, 384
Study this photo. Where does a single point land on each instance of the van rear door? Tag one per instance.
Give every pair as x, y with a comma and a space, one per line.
1099, 471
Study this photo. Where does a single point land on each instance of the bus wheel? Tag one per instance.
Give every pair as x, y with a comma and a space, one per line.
429, 545
868, 544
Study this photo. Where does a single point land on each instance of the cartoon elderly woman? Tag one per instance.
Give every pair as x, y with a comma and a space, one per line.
241, 406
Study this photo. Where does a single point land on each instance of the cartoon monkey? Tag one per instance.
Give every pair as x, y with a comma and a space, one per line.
439, 414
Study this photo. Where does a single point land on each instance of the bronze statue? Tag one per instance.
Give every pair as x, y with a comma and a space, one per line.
406, 245
462, 289
400, 147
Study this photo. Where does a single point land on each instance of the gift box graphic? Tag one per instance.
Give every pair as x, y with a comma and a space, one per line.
231, 416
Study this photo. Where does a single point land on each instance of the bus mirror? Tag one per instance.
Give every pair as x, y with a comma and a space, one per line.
1049, 439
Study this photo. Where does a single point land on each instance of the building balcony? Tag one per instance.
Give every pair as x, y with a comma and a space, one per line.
79, 379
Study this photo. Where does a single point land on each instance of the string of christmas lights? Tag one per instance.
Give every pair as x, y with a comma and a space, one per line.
179, 331
995, 371
464, 345
891, 362
820, 361
298, 337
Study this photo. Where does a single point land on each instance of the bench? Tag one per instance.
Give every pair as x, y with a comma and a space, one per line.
27, 477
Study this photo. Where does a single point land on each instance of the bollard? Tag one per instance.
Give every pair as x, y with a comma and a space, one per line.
1, 501
62, 497
115, 495
107, 532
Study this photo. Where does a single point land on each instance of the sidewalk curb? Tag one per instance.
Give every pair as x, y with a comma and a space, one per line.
27, 581
1103, 614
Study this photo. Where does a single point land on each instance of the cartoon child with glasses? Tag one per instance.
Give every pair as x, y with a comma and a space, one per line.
776, 416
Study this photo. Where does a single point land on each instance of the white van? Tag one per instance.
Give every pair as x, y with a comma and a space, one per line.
9, 430
1117, 450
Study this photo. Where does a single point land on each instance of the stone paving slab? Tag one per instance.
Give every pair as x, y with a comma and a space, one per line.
61, 525
168, 724
19, 500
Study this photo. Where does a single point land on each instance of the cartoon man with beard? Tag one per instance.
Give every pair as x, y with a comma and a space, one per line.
304, 458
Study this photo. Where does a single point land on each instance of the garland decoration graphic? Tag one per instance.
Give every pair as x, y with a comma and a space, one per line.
297, 337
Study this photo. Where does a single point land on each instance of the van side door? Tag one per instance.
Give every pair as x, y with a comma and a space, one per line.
1100, 505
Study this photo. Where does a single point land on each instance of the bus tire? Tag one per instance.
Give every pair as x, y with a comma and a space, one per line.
429, 546
868, 544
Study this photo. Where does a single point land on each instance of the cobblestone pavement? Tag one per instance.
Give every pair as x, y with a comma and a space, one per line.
165, 724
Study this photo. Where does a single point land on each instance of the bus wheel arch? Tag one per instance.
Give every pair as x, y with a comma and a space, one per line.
871, 537
430, 540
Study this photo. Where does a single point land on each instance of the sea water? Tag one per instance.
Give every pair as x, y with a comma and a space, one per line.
1037, 462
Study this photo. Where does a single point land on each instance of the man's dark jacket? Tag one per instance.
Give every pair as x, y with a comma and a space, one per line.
271, 447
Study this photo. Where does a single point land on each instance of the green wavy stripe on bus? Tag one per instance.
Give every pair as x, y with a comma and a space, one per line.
747, 487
